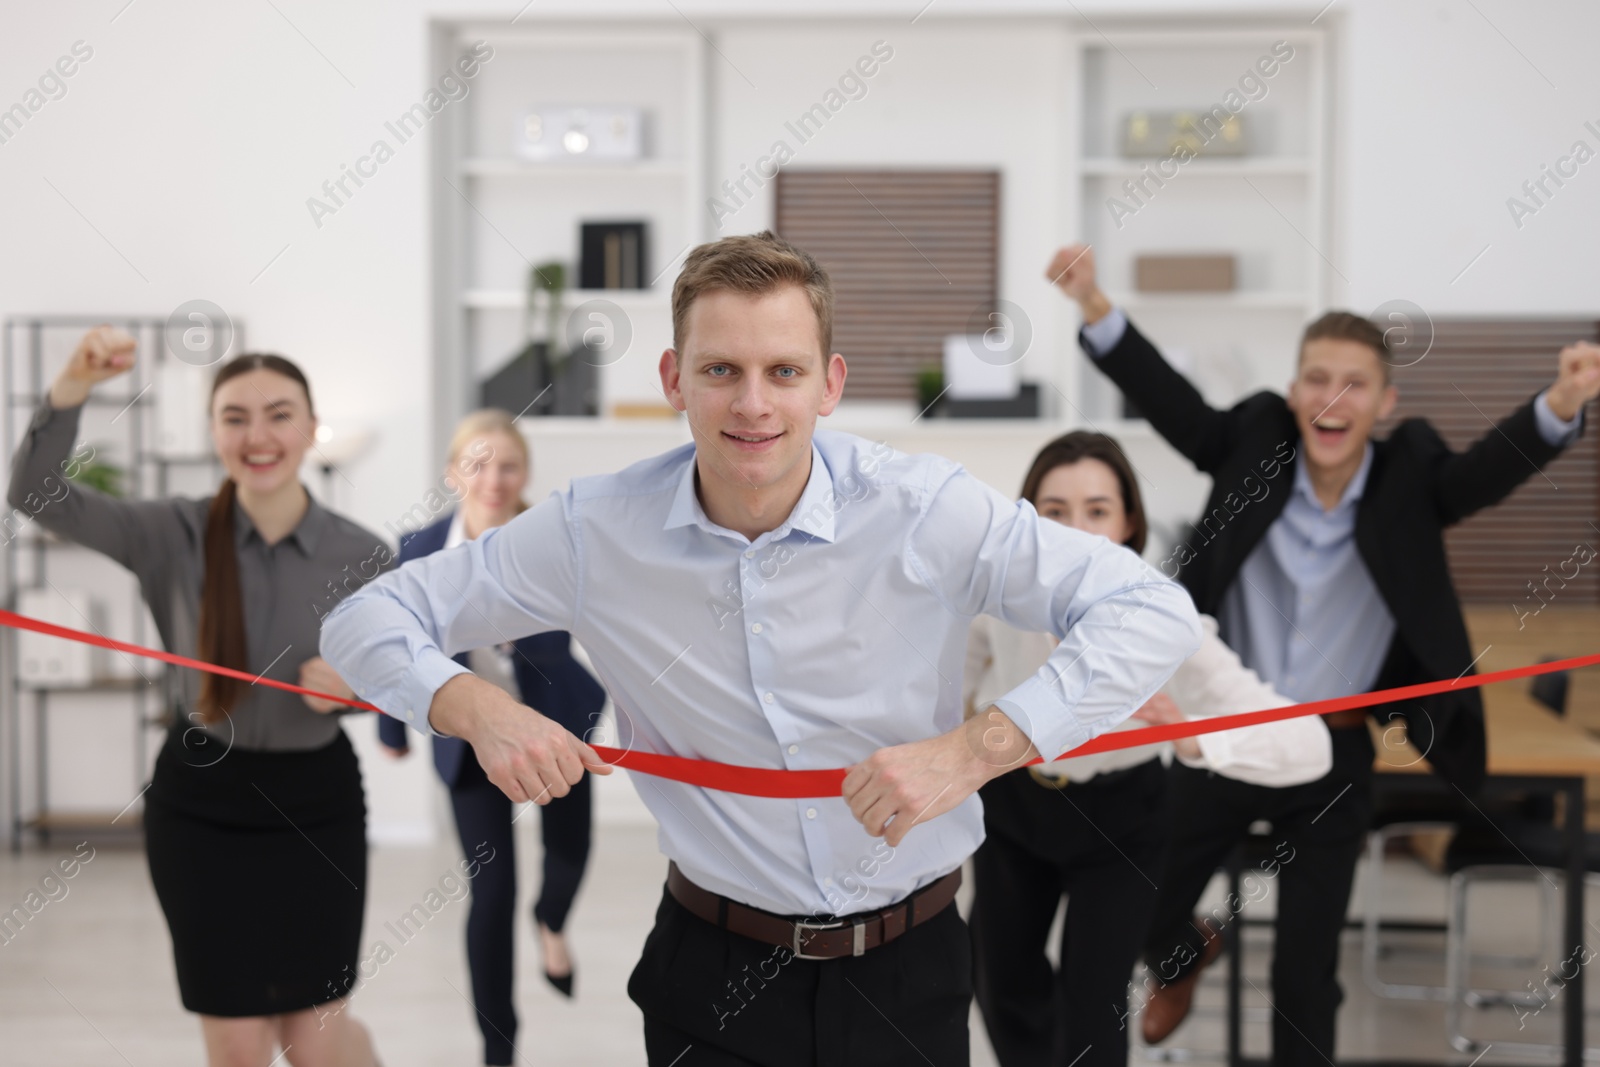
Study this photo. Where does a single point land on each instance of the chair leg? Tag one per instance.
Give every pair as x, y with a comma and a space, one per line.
1458, 960
1372, 905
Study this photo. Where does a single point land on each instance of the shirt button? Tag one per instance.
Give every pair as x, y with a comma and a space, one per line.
755, 628
793, 749
768, 698
749, 553
811, 813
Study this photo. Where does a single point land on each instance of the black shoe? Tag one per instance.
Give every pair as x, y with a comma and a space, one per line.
561, 982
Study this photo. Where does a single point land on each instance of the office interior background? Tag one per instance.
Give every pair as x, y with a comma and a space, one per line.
327, 182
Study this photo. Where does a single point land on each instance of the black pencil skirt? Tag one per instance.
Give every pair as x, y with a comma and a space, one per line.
259, 860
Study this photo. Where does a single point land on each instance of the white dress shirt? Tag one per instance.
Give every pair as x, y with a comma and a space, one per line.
839, 632
492, 663
1211, 682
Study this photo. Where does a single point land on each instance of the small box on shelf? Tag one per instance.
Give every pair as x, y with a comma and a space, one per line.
1183, 273
1156, 134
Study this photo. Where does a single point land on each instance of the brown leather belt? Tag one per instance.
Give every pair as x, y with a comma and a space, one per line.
1347, 717
849, 936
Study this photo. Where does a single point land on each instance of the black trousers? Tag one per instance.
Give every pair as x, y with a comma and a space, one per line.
1318, 830
1100, 843
483, 814
716, 999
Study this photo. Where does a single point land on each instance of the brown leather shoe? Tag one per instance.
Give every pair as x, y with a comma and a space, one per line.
1169, 1003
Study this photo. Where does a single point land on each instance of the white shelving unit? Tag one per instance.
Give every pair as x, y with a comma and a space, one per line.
1214, 168
501, 215
515, 300
1268, 208
516, 168
497, 214
77, 753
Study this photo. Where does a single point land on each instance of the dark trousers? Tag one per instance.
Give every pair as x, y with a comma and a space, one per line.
717, 999
1100, 843
483, 814
1318, 830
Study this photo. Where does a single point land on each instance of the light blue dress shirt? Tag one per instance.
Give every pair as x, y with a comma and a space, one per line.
840, 632
1304, 612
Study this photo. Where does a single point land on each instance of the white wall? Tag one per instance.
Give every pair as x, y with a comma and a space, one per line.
179, 162
1442, 117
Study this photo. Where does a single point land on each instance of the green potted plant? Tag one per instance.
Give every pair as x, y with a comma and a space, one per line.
551, 280
930, 390
543, 358
100, 475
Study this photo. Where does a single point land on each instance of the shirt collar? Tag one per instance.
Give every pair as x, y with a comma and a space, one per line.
813, 513
456, 532
1352, 492
305, 535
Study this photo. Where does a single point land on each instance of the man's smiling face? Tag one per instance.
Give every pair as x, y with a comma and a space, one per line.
1340, 393
752, 378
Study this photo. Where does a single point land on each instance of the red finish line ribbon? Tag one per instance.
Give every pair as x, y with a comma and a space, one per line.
776, 782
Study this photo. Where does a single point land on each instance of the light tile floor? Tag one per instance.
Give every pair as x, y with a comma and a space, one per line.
89, 980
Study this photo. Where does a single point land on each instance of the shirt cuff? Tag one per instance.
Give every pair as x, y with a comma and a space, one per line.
1551, 427
1102, 336
1038, 711
1216, 750
433, 668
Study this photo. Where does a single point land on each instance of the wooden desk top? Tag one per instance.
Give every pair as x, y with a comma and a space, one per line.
1525, 738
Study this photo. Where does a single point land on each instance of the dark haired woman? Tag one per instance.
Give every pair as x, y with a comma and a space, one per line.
1094, 828
488, 465
255, 822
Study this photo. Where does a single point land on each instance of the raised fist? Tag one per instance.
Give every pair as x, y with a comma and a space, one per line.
104, 352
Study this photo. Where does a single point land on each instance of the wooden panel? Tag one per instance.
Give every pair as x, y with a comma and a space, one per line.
914, 256
1476, 372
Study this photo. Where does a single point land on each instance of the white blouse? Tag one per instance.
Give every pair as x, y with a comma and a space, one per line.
1211, 682
492, 664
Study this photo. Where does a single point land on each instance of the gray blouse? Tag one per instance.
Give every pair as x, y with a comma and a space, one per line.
287, 587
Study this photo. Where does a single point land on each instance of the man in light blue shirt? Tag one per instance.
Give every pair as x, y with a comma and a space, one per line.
781, 597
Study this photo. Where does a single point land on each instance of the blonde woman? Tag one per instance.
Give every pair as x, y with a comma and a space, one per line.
254, 819
488, 467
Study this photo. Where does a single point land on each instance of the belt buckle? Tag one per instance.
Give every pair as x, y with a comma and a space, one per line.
858, 946
1047, 780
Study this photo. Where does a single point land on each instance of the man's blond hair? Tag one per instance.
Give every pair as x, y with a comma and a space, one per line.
754, 264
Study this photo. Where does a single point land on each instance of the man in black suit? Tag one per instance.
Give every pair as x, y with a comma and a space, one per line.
1321, 554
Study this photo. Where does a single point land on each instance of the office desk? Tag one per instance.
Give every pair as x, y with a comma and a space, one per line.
1530, 750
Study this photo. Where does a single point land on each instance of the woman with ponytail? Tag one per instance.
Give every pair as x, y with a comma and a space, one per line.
255, 820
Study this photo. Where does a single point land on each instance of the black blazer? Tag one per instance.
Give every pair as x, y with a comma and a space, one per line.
1415, 488
549, 679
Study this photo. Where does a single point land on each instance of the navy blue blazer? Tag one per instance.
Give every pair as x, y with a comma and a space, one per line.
550, 680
